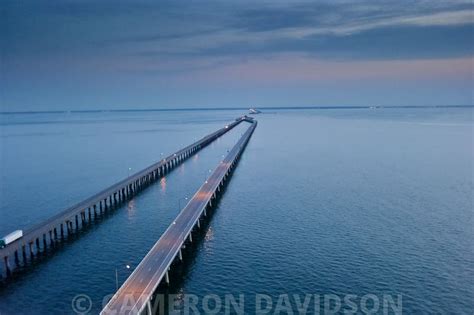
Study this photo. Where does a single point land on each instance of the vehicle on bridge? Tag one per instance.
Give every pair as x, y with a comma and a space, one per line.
9, 238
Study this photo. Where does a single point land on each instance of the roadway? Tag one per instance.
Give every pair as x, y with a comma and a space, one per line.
133, 296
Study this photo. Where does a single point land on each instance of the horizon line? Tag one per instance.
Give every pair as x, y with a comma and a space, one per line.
229, 108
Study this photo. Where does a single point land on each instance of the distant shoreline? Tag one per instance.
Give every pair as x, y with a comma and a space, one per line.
230, 108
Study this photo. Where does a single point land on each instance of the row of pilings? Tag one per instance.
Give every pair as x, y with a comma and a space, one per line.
39, 246
48, 236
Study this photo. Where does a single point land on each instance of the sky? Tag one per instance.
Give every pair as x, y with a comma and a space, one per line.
67, 55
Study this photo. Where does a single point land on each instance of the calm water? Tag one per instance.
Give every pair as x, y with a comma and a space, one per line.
322, 202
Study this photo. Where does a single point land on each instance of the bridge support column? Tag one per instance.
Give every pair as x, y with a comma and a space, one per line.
198, 223
62, 231
32, 254
148, 307
89, 212
55, 233
180, 254
45, 243
17, 260
7, 266
77, 222
23, 249
51, 239
191, 237
95, 211
37, 245
167, 278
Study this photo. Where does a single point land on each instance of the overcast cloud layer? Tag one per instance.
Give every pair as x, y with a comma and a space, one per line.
140, 54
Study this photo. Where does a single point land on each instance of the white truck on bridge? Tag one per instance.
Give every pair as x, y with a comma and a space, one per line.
13, 236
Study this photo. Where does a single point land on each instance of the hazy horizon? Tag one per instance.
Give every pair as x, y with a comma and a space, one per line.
85, 110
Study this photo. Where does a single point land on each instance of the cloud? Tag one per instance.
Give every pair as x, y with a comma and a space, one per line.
174, 37
396, 42
334, 30
174, 29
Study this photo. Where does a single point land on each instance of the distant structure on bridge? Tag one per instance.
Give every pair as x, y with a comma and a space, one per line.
254, 111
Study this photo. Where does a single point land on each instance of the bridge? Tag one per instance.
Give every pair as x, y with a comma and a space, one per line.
135, 295
45, 235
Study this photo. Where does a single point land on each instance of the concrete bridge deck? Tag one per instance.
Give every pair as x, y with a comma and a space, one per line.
136, 293
47, 233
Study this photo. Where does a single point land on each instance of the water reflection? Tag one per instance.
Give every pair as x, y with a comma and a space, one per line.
181, 168
209, 234
163, 184
131, 209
